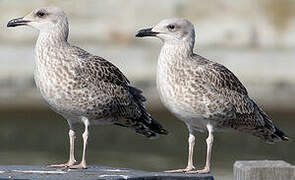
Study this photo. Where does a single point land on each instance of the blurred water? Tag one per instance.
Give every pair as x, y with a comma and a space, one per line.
37, 137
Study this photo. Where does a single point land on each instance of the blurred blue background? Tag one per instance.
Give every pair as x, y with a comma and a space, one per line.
253, 38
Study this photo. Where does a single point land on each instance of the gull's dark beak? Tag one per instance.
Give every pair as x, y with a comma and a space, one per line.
17, 22
146, 32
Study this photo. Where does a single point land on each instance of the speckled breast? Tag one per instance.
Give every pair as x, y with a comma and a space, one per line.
173, 87
53, 79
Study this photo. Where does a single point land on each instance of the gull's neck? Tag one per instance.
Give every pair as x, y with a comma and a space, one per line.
48, 45
54, 37
173, 57
177, 50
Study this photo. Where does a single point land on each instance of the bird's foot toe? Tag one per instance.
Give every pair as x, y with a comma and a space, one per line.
78, 166
57, 165
187, 169
201, 171
175, 171
64, 165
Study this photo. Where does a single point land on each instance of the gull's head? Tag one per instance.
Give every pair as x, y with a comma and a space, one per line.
171, 31
44, 19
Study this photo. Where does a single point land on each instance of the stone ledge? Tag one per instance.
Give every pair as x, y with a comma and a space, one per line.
263, 170
92, 172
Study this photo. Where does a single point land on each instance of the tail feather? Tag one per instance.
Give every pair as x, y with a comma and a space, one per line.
280, 134
145, 124
274, 134
137, 94
152, 124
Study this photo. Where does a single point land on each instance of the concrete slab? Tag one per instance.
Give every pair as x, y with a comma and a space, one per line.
263, 170
92, 172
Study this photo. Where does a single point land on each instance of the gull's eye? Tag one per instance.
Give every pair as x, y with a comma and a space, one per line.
171, 27
40, 14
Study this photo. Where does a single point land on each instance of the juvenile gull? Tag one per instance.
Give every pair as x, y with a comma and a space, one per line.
202, 93
80, 86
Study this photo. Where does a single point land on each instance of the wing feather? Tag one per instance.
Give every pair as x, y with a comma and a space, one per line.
227, 87
102, 76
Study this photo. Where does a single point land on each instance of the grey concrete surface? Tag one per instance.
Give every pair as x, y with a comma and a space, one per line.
92, 172
263, 170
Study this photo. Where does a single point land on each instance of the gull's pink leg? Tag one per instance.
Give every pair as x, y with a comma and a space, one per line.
191, 143
209, 141
72, 160
82, 165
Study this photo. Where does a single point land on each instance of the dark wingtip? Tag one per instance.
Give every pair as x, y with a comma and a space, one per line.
157, 128
279, 133
286, 138
155, 134
154, 126
164, 132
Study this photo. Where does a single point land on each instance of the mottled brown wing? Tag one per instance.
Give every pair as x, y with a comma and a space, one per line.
103, 77
223, 80
100, 69
234, 96
126, 101
248, 117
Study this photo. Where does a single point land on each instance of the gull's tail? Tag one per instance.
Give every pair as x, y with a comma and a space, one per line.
270, 133
145, 124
